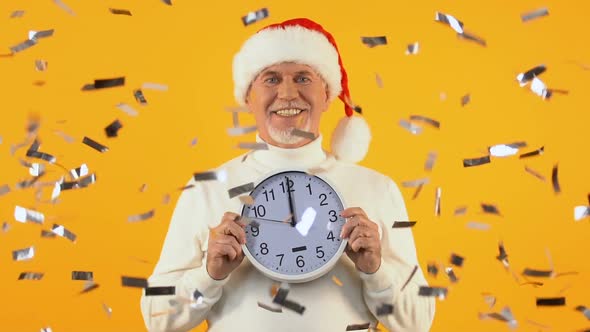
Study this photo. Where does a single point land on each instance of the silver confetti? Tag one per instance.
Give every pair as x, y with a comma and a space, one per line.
67, 138
270, 308
127, 109
540, 89
505, 150
23, 46
5, 227
89, 286
253, 146
40, 34
23, 215
107, 310
82, 275
430, 160
451, 274
46, 329
139, 97
425, 119
154, 86
555, 180
457, 260
413, 48
255, 16
449, 20
480, 226
23, 254
581, 212
584, 310
134, 282
533, 153
239, 190
385, 309
79, 172
414, 270
471, 37
37, 169
374, 41
63, 232
17, 13
412, 128
64, 7
465, 99
418, 191
304, 134
432, 269
505, 315
379, 80
235, 119
490, 208
120, 11
489, 299
534, 14
220, 175
437, 201
95, 145
440, 292
476, 161
31, 276
460, 211
524, 78
142, 216
238, 131
4, 189
415, 183
40, 65
538, 273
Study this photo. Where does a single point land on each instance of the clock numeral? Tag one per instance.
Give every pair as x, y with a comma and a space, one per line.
333, 215
271, 192
255, 231
330, 236
290, 184
264, 248
300, 262
281, 261
309, 187
323, 202
318, 251
259, 211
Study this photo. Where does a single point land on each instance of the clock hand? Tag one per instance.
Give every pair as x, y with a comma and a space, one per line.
250, 219
291, 209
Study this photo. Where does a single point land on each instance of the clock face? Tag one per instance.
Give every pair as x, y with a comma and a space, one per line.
294, 233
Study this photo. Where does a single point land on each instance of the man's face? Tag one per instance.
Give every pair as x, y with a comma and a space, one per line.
286, 96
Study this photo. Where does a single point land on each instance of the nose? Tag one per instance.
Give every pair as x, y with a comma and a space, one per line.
287, 90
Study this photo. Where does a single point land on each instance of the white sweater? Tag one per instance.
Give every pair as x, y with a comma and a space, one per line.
232, 304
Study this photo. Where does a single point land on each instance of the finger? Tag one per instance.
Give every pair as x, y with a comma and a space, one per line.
349, 226
234, 217
225, 250
352, 211
228, 239
233, 229
360, 231
362, 243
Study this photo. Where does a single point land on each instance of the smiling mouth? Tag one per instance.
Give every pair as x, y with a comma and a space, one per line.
288, 112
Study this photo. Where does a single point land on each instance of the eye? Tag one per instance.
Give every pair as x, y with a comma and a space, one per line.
271, 80
302, 79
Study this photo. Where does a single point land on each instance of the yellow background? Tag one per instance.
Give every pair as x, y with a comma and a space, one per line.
189, 46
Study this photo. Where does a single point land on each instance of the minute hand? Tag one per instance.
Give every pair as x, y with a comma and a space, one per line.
291, 204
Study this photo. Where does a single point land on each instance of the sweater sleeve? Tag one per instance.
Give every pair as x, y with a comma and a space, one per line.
182, 265
411, 312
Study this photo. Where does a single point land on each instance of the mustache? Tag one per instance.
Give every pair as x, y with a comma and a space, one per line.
281, 105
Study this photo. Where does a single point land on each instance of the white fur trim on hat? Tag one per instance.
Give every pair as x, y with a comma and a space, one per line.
351, 138
290, 44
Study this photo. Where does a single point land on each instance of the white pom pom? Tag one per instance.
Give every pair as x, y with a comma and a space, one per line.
351, 138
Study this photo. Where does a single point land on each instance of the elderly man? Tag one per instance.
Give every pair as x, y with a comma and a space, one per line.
287, 74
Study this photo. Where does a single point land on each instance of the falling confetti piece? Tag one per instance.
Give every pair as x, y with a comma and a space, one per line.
105, 83
460, 211
40, 65
489, 299
440, 292
161, 290
154, 86
403, 224
524, 78
540, 89
247, 200
421, 118
64, 7
466, 99
533, 153
239, 131
67, 138
142, 216
252, 146
220, 175
432, 269
358, 327
534, 14
337, 281
83, 275
430, 160
385, 309
239, 190
134, 282
411, 127
414, 270
550, 301
534, 173
505, 150
413, 49
47, 234
139, 97
120, 11
502, 255
89, 286
555, 180
270, 308
490, 209
17, 14
255, 16
23, 215
127, 109
581, 212
5, 227
107, 310
4, 189
374, 41
303, 134
476, 161
31, 276
584, 310
415, 183
480, 226
23, 254
450, 21
505, 316
437, 202
112, 130
538, 273
94, 144
457, 260
417, 192
379, 81
451, 274
63, 232
471, 37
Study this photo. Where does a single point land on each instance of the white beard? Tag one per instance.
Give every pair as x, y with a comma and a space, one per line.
286, 136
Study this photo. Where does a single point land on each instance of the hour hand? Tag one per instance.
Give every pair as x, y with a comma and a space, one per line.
290, 198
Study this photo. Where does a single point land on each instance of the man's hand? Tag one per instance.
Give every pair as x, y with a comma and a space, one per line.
364, 246
224, 252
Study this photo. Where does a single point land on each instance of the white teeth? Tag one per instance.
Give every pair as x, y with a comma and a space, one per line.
289, 112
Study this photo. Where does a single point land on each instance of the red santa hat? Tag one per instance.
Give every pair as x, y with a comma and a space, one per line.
304, 41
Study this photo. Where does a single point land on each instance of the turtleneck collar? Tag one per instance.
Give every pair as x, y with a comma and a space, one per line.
309, 155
